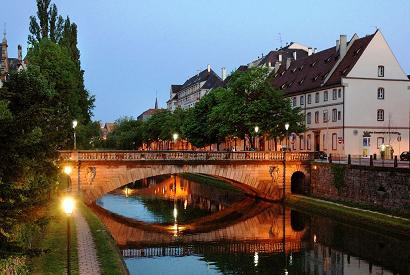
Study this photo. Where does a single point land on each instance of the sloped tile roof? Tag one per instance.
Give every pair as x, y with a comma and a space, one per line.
310, 72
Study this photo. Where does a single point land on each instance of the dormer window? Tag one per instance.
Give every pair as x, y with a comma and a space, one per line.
314, 63
315, 78
283, 86
282, 73
293, 70
328, 59
301, 81
357, 51
301, 68
380, 71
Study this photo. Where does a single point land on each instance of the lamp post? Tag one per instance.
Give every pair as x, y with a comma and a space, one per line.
175, 138
75, 122
284, 164
256, 134
68, 204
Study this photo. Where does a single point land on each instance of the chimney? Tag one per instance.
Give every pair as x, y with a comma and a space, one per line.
209, 68
269, 64
343, 45
19, 53
310, 51
314, 50
223, 75
288, 60
294, 55
277, 66
337, 45
280, 57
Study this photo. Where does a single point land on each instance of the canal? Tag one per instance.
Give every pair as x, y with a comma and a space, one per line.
185, 224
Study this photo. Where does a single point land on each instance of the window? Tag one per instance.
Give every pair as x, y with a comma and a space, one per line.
339, 93
317, 117
366, 141
309, 118
334, 141
380, 93
380, 115
309, 99
326, 96
308, 145
380, 71
334, 94
339, 115
317, 98
334, 115
380, 141
302, 100
325, 116
294, 101
301, 143
324, 142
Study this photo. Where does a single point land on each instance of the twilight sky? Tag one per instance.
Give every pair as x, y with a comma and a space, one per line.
131, 49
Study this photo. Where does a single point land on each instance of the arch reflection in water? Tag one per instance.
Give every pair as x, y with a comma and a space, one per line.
231, 233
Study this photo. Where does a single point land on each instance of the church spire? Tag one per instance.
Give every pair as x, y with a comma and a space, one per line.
156, 101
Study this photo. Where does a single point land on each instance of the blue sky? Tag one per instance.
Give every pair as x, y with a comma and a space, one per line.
131, 49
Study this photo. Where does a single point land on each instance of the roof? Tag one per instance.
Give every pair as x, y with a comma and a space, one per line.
204, 76
309, 73
109, 126
273, 56
175, 88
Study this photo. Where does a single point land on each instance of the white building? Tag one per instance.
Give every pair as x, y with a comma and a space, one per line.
189, 93
355, 96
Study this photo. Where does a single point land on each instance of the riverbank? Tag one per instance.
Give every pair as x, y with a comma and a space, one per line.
108, 254
351, 215
53, 242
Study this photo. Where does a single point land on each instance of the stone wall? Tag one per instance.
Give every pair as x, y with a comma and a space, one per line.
379, 187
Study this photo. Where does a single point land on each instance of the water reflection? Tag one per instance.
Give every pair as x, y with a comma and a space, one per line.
198, 229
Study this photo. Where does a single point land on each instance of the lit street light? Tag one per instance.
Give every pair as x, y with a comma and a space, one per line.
75, 122
256, 134
175, 138
68, 205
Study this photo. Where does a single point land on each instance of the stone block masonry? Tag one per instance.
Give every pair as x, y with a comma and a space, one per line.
376, 187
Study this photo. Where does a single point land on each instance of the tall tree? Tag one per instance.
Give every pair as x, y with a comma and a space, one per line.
48, 23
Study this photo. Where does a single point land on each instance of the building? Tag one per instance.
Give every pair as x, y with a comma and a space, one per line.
108, 128
148, 113
355, 95
186, 95
8, 64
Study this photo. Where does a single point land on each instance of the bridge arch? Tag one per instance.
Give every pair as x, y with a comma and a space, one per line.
298, 183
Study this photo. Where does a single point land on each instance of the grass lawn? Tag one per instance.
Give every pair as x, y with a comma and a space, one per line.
346, 214
54, 242
107, 251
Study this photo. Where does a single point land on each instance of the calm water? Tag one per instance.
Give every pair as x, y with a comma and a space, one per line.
172, 225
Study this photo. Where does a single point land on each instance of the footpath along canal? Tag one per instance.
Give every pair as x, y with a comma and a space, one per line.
185, 224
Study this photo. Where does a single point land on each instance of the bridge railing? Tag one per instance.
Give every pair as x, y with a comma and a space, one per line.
184, 155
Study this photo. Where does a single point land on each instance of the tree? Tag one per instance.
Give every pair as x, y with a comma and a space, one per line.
72, 101
29, 134
49, 24
127, 134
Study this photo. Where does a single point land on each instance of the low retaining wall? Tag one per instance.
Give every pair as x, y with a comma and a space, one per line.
376, 187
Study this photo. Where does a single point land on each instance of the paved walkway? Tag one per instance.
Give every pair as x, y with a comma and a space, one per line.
87, 255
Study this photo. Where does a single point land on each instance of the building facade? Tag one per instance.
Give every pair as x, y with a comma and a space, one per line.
188, 94
9, 64
355, 96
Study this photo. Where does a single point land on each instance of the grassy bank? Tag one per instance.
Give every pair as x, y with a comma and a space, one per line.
350, 215
211, 181
107, 251
54, 243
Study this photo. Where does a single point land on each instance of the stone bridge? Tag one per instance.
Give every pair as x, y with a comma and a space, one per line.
257, 173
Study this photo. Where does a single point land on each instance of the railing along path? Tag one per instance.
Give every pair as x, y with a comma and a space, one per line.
183, 155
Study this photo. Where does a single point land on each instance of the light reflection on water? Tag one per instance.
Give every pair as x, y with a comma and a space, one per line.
229, 234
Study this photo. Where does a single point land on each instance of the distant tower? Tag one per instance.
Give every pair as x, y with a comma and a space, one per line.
4, 57
156, 102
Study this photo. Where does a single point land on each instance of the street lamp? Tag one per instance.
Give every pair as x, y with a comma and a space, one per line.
256, 134
175, 137
287, 136
75, 122
68, 205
